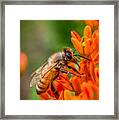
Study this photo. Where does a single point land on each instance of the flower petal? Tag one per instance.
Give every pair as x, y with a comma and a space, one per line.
77, 45
65, 83
86, 87
75, 35
88, 46
97, 75
87, 32
91, 68
58, 86
95, 56
96, 92
67, 95
44, 96
95, 24
76, 84
83, 96
61, 97
95, 39
89, 22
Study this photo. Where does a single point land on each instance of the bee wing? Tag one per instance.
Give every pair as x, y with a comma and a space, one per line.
40, 73
35, 75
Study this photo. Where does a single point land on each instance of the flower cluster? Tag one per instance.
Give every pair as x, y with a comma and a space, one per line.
85, 87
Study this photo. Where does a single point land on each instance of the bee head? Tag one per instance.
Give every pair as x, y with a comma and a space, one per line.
68, 54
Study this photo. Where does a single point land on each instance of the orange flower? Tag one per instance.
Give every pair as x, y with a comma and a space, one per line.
97, 75
87, 32
76, 42
95, 39
76, 84
23, 62
85, 86
94, 24
67, 95
61, 97
88, 46
62, 83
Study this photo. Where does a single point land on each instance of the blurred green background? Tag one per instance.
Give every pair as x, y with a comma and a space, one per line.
39, 39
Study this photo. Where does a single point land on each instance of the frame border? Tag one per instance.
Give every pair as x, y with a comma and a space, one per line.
116, 62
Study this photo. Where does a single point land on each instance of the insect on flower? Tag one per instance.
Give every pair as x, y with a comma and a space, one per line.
43, 77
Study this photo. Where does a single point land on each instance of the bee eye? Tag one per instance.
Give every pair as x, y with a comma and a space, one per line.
68, 56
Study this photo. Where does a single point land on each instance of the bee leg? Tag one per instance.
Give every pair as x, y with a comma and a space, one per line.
74, 51
67, 72
73, 69
54, 91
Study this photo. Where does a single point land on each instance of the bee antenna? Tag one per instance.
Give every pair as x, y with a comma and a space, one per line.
76, 55
83, 57
64, 49
74, 51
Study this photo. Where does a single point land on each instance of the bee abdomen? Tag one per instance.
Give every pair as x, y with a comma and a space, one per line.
41, 87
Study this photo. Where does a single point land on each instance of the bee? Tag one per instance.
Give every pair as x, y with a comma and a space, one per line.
43, 77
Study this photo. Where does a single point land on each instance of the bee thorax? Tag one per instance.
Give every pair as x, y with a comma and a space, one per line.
56, 57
